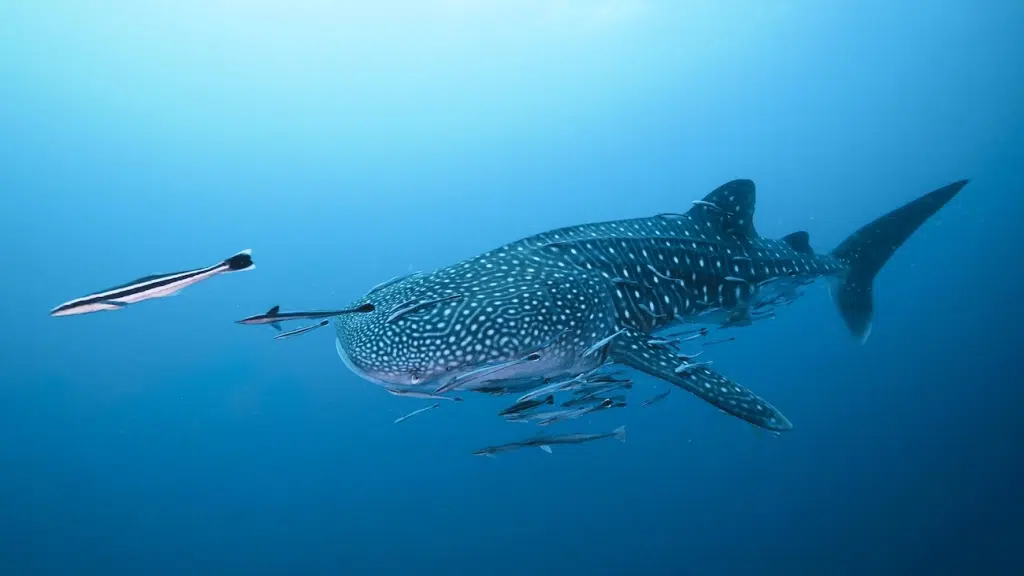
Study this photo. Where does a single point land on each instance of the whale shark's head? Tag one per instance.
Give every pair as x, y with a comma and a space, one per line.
422, 330
479, 314
394, 351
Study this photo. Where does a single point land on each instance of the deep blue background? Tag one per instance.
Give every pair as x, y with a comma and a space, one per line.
348, 143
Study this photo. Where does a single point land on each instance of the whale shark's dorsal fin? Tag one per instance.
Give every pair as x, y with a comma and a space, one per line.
799, 241
730, 207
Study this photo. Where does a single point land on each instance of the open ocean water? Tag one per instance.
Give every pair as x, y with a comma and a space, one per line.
349, 142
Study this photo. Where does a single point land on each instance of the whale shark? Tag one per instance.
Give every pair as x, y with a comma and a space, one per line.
564, 304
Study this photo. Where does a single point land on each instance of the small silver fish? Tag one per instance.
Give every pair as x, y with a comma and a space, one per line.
530, 355
655, 399
554, 387
415, 412
688, 335
660, 275
421, 395
392, 282
589, 400
545, 442
412, 307
601, 343
576, 413
492, 451
691, 366
302, 330
520, 407
149, 287
274, 316
602, 390
651, 311
482, 373
711, 205
619, 434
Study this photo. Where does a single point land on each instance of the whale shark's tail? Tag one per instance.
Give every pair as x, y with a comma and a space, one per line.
868, 249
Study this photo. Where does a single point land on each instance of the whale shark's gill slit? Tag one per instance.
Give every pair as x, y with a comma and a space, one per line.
406, 309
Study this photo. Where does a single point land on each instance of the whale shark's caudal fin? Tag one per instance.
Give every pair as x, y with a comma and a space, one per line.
868, 249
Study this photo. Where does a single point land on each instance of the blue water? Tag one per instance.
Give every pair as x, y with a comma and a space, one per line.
349, 143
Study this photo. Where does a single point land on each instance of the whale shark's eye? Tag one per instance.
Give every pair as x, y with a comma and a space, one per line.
414, 377
368, 307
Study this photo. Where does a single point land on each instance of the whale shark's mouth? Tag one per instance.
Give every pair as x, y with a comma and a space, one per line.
352, 366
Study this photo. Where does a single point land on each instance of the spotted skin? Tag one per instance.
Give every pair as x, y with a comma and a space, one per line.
510, 303
553, 297
634, 350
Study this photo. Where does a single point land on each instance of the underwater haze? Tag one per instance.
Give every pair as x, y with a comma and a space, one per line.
347, 143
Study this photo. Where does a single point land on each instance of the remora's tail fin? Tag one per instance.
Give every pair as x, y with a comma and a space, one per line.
869, 248
240, 261
620, 433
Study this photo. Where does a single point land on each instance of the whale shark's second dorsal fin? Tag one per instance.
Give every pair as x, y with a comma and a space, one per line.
729, 208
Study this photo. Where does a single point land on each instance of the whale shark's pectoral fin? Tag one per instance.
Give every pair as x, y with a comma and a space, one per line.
632, 349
